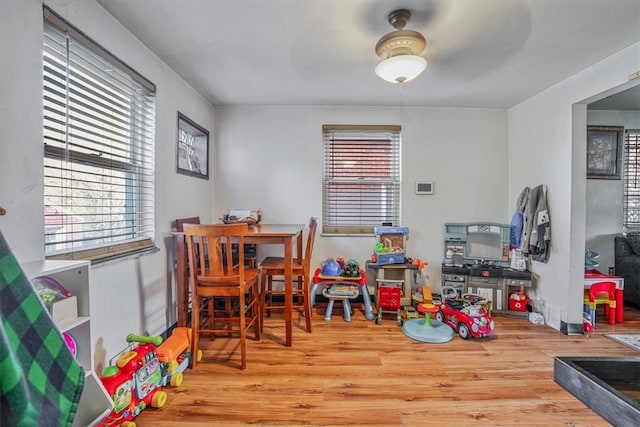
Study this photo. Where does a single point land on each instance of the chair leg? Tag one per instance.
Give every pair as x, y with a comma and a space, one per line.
212, 310
243, 333
262, 298
307, 304
612, 314
255, 311
195, 330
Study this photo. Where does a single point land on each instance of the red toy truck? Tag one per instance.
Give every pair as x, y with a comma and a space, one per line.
135, 382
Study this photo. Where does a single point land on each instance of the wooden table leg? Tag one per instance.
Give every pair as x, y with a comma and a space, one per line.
182, 281
288, 292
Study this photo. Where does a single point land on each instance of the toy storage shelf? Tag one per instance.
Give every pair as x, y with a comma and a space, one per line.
95, 403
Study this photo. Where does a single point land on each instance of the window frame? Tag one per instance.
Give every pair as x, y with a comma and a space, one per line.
357, 160
93, 148
631, 178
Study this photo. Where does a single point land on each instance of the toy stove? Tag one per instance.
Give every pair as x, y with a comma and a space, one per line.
454, 272
477, 261
486, 270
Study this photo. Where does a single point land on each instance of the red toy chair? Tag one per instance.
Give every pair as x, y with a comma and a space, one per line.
601, 293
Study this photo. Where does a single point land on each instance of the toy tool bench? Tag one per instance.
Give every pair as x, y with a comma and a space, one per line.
388, 263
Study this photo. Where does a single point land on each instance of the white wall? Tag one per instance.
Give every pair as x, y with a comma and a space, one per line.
127, 295
275, 163
547, 135
604, 196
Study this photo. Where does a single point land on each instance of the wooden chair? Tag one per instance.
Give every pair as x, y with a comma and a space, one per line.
182, 270
250, 250
601, 293
274, 266
214, 274
180, 222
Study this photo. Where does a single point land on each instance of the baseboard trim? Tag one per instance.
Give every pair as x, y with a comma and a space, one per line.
571, 328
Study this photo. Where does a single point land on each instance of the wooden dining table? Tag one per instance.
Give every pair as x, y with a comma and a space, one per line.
287, 235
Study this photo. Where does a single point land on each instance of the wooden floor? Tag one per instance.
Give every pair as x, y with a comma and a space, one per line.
360, 373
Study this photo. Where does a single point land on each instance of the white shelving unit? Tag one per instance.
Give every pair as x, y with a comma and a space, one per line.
95, 403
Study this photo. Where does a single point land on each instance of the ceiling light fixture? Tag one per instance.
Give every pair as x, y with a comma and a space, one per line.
399, 50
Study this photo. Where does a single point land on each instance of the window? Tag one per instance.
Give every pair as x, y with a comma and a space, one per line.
98, 149
361, 178
631, 172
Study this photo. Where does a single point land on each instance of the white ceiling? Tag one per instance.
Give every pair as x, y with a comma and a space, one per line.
481, 53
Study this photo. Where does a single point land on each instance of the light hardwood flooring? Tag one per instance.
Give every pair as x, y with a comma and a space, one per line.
360, 373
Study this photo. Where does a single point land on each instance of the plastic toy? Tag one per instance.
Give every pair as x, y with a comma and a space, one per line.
351, 269
175, 356
135, 382
586, 322
49, 290
389, 293
330, 267
71, 343
427, 330
410, 312
468, 320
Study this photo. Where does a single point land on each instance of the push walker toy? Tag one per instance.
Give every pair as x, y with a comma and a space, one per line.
389, 294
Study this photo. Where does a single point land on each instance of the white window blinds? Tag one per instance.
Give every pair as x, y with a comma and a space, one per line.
631, 205
361, 178
98, 148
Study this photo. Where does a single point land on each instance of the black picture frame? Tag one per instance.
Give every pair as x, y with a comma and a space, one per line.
192, 148
604, 152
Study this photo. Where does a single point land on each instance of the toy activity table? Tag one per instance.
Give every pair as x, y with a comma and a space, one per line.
595, 276
320, 280
343, 293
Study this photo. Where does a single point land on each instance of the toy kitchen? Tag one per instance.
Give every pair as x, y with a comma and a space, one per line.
478, 260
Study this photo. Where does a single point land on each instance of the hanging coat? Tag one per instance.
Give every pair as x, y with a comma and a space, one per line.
527, 220
517, 221
541, 245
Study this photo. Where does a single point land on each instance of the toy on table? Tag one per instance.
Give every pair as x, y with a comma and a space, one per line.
390, 246
330, 268
134, 382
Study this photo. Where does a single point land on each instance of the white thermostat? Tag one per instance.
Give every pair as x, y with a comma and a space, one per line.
424, 187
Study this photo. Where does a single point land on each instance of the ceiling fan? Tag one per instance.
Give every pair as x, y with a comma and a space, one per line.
400, 50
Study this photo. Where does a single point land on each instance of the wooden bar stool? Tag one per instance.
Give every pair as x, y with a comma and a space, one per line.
274, 267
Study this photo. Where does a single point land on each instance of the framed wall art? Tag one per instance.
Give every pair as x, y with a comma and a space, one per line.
192, 148
604, 152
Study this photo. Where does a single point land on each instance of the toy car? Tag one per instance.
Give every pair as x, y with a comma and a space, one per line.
410, 312
468, 320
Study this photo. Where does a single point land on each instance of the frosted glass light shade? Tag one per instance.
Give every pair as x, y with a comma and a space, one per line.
401, 68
